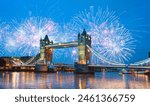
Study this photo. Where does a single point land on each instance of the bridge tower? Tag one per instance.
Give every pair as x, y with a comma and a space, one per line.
46, 53
84, 54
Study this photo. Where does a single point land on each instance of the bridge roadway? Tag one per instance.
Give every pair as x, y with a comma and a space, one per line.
108, 66
91, 67
96, 66
120, 66
139, 67
63, 45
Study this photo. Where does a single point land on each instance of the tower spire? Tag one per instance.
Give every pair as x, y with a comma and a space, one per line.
84, 32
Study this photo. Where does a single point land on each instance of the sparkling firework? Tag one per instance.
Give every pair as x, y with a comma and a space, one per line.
110, 38
4, 32
25, 39
26, 36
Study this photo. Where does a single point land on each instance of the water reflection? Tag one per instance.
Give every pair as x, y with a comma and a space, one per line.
64, 80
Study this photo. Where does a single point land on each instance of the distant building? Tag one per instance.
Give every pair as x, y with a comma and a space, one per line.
9, 61
2, 62
5, 61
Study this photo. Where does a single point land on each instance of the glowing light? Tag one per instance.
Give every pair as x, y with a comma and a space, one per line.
74, 51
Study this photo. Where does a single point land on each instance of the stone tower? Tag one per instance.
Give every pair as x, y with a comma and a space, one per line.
83, 51
45, 53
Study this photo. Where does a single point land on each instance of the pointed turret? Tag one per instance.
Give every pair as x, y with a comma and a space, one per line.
84, 54
46, 38
84, 32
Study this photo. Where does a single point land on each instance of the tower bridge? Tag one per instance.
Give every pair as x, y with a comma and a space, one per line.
62, 45
84, 54
44, 59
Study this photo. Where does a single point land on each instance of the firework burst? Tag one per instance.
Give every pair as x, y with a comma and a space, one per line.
25, 39
110, 38
4, 32
26, 36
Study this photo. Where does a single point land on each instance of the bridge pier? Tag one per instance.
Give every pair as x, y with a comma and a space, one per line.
97, 69
82, 69
41, 68
103, 69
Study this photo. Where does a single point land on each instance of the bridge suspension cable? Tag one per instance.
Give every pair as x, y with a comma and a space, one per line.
32, 60
103, 59
36, 61
17, 63
146, 61
29, 61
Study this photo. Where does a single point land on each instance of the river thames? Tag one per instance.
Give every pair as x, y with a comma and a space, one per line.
70, 80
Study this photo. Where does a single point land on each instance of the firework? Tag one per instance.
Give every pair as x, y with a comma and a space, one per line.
4, 32
110, 38
26, 36
25, 39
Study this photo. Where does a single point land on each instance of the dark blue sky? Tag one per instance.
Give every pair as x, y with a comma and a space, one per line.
134, 14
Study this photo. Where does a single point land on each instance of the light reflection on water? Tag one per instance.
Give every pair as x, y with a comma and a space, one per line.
68, 80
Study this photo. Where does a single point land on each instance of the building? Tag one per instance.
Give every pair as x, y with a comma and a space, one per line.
83, 51
43, 51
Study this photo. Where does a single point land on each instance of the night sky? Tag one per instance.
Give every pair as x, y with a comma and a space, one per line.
134, 15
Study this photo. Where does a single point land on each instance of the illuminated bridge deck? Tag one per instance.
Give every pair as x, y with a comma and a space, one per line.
120, 66
107, 66
63, 45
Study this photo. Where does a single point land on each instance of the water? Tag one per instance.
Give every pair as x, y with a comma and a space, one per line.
69, 80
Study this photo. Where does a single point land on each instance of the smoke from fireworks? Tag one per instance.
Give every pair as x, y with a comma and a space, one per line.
110, 38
